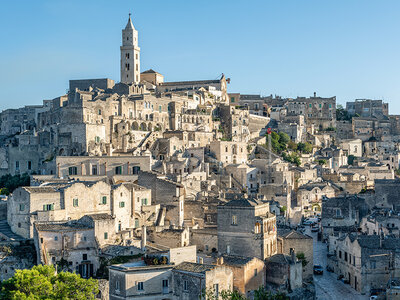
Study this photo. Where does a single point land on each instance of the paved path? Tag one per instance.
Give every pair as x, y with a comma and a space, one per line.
327, 286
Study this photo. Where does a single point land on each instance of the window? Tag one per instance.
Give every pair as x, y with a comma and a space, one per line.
144, 201
228, 249
135, 170
127, 55
117, 286
119, 226
97, 139
17, 165
255, 272
165, 283
47, 207
19, 225
122, 204
216, 291
29, 165
94, 170
234, 220
72, 170
84, 256
21, 207
136, 223
140, 286
76, 202
104, 200
99, 112
105, 235
185, 285
118, 170
56, 238
159, 108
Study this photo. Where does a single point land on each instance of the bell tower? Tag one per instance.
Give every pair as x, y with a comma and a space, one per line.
130, 54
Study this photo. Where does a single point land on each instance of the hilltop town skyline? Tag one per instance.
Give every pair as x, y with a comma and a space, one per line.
295, 51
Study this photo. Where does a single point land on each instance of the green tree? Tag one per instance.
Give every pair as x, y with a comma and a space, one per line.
263, 294
305, 147
210, 294
42, 282
12, 182
292, 146
284, 138
321, 162
342, 114
302, 257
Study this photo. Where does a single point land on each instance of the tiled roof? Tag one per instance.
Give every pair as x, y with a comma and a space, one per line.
193, 267
236, 260
243, 202
100, 216
73, 226
40, 189
293, 234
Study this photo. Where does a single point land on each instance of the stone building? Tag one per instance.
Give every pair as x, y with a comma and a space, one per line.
229, 152
319, 112
73, 200
309, 197
284, 271
248, 272
367, 261
191, 280
140, 280
367, 108
246, 222
70, 166
343, 211
289, 240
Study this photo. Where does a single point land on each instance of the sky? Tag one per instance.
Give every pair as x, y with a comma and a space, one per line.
344, 48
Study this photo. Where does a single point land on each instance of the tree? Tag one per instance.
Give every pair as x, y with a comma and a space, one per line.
322, 162
283, 138
263, 294
302, 257
42, 282
342, 114
210, 294
10, 183
292, 146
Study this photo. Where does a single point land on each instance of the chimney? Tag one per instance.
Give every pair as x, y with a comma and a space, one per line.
144, 237
293, 255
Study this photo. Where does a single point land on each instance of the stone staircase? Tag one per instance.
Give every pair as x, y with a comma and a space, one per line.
5, 231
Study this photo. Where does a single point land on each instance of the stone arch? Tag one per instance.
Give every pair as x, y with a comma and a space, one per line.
150, 127
135, 126
143, 127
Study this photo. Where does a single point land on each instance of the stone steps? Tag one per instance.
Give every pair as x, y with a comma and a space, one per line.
6, 231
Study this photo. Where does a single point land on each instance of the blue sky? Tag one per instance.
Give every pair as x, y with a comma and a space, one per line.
349, 49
